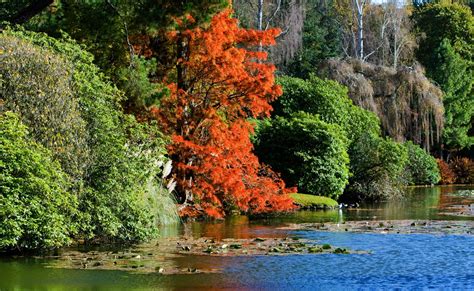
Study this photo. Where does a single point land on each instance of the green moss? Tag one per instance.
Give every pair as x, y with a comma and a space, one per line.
313, 201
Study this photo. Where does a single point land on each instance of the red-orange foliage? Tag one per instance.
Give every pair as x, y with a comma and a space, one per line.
447, 175
220, 84
463, 169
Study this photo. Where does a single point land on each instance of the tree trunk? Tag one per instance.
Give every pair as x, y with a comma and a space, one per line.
360, 28
180, 68
260, 15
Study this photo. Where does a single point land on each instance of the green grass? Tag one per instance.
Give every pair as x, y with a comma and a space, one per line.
313, 201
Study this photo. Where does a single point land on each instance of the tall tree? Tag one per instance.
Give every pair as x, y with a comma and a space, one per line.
222, 83
109, 28
438, 21
389, 41
456, 79
351, 16
448, 30
285, 14
321, 38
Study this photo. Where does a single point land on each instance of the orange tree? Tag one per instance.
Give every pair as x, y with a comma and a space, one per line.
220, 83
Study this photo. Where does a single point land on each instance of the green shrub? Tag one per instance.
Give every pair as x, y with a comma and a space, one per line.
125, 201
37, 84
377, 167
329, 100
361, 122
36, 209
421, 168
376, 164
309, 153
120, 192
326, 98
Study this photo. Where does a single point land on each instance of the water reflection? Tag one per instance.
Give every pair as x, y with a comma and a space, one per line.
423, 203
407, 261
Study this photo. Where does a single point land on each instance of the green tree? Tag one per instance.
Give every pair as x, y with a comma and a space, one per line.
447, 30
321, 38
456, 78
421, 168
441, 20
308, 152
326, 98
36, 209
377, 166
329, 100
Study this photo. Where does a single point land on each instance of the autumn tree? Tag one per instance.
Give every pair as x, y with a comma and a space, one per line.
220, 82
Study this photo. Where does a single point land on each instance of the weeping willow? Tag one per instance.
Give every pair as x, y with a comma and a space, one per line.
409, 106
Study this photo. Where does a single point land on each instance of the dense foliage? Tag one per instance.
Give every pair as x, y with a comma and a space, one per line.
326, 98
113, 30
376, 164
421, 168
320, 37
377, 167
37, 84
446, 173
463, 169
36, 209
444, 20
448, 32
114, 190
456, 78
308, 152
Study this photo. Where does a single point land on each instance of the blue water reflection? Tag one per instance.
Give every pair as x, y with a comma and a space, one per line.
397, 261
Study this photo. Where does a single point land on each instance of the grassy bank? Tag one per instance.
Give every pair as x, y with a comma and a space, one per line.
313, 201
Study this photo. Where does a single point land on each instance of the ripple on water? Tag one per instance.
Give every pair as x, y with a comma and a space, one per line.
405, 261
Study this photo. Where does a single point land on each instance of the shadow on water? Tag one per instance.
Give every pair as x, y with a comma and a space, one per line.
397, 261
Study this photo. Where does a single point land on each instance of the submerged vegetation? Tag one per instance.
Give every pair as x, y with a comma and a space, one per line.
118, 117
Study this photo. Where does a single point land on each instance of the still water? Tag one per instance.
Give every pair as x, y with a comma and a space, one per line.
409, 261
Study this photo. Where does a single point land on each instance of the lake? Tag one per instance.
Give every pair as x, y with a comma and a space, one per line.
410, 261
